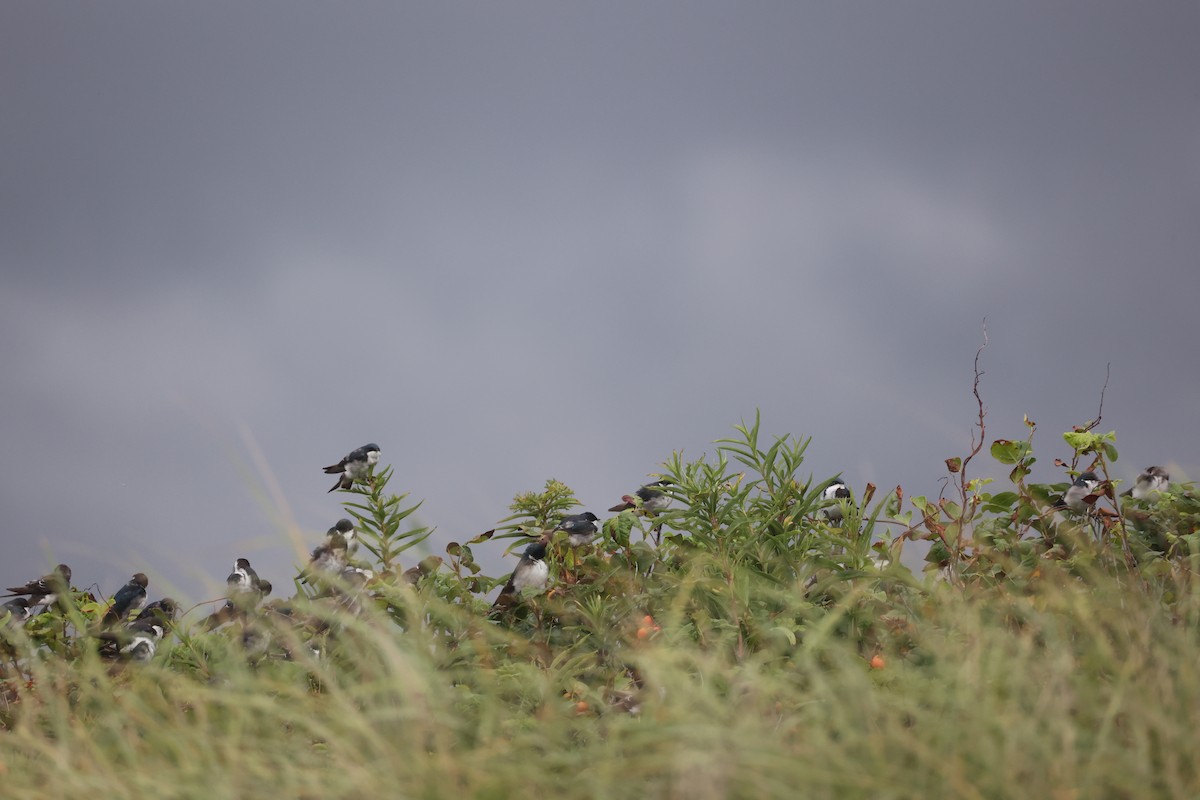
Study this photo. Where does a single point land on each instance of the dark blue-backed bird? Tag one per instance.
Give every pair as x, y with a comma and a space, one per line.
137, 641
346, 528
328, 559
356, 465
1082, 493
18, 607
531, 572
244, 591
649, 498
129, 598
165, 609
833, 494
581, 528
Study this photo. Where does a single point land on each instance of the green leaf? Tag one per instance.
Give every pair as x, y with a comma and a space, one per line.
938, 554
1007, 451
1081, 441
617, 528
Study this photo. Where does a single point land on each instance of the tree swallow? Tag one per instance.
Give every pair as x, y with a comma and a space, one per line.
145, 641
129, 598
1078, 493
1152, 479
329, 557
653, 499
531, 572
164, 609
245, 591
833, 494
243, 579
355, 466
346, 528
427, 566
139, 640
46, 589
18, 607
580, 528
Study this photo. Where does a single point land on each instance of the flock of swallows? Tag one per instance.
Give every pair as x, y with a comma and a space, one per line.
329, 567
128, 637
136, 638
1086, 489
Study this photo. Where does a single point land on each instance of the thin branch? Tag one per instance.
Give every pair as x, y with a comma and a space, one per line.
1100, 412
976, 445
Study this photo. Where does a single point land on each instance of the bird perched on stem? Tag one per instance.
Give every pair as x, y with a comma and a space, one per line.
357, 465
165, 609
346, 528
427, 566
581, 528
129, 598
652, 498
1152, 479
245, 591
1082, 493
531, 572
18, 607
328, 558
835, 493
138, 641
45, 590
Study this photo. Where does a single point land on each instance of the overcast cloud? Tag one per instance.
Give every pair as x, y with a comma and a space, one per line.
514, 241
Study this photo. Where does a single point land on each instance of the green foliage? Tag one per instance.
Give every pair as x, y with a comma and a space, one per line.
743, 642
379, 517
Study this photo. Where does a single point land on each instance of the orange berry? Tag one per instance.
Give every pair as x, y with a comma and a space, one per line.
642, 633
582, 707
648, 620
877, 662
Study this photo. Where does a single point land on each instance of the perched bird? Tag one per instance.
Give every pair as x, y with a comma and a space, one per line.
145, 640
46, 589
328, 558
834, 493
165, 609
243, 579
1152, 479
346, 528
427, 566
581, 528
351, 586
355, 466
138, 641
531, 572
129, 598
1081, 494
18, 607
245, 591
652, 499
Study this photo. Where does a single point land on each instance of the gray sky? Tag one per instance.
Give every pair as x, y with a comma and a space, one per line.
513, 241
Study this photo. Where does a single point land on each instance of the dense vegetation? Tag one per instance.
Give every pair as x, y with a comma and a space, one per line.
738, 644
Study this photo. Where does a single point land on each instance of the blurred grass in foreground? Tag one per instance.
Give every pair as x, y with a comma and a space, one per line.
1068, 691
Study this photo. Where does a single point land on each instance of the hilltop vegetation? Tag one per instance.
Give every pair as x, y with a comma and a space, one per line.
741, 643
